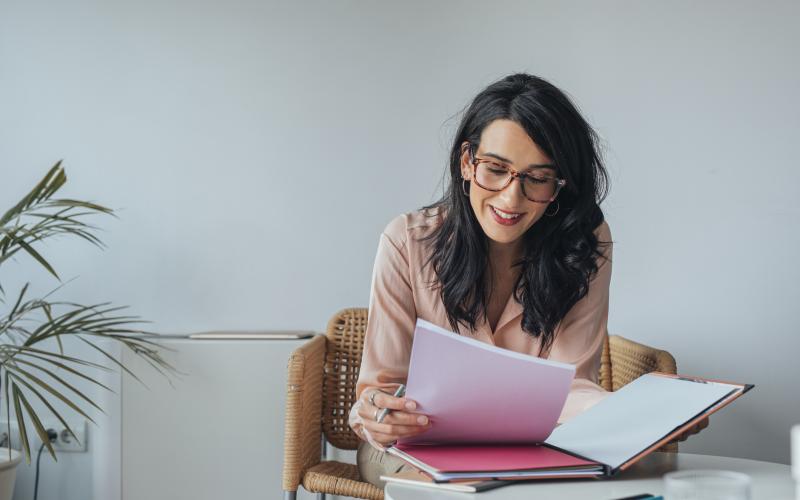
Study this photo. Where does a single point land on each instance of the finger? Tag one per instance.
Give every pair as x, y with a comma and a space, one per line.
404, 418
367, 411
367, 394
384, 400
386, 439
409, 431
393, 429
700, 426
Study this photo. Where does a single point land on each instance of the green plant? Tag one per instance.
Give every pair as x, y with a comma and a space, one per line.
26, 367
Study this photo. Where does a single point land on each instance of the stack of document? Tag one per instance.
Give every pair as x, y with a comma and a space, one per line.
494, 411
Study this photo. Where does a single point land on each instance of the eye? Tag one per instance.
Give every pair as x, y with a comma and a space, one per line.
496, 169
541, 175
538, 178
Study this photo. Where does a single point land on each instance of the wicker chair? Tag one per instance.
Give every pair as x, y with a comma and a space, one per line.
321, 389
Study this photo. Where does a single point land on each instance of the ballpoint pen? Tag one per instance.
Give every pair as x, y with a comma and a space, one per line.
643, 496
398, 393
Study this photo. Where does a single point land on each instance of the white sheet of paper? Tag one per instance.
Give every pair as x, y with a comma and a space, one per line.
475, 392
636, 416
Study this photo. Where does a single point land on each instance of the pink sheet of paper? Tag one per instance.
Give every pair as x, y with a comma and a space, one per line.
481, 458
474, 392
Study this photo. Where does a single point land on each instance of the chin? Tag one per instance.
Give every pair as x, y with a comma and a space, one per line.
504, 239
506, 236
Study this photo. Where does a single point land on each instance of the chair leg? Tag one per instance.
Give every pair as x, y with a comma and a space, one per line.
289, 495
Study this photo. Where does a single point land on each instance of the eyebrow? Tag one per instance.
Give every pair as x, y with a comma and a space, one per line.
532, 165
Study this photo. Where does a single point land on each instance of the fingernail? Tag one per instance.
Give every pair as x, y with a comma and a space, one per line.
410, 405
422, 419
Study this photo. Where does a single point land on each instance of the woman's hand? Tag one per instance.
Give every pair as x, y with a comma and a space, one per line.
398, 423
691, 431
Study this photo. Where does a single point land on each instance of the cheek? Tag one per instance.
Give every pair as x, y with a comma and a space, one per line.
535, 213
477, 197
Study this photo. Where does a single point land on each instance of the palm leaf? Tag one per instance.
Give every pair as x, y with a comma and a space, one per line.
67, 322
36, 255
37, 424
22, 350
30, 376
63, 202
47, 387
59, 364
47, 404
65, 368
55, 216
51, 182
8, 254
8, 411
23, 433
113, 360
19, 300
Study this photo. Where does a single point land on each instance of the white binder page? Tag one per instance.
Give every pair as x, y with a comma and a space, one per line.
631, 419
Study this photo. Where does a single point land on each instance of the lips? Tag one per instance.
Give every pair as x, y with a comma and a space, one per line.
505, 218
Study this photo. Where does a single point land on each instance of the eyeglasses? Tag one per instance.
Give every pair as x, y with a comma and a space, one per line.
493, 176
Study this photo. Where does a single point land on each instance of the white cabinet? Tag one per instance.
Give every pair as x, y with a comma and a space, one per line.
216, 433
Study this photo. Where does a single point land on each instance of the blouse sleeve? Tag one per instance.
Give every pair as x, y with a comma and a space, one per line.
390, 323
580, 336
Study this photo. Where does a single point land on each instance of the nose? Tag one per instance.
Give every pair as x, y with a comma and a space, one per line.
512, 195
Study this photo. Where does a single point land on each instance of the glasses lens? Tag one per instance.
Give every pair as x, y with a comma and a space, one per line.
491, 176
539, 187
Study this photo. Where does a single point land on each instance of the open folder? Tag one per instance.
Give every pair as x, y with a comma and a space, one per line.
494, 411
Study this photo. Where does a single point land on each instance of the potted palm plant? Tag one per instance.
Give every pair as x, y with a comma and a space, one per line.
35, 367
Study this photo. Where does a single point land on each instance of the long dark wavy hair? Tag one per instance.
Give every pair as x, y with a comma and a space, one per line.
560, 252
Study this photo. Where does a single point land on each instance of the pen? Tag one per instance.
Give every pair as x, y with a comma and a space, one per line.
643, 496
398, 393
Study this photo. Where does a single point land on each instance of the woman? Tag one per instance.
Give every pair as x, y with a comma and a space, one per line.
516, 254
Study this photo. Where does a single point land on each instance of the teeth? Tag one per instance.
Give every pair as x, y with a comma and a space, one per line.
505, 215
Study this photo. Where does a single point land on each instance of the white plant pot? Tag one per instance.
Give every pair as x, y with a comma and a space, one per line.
8, 472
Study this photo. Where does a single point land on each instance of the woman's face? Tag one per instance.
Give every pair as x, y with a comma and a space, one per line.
506, 215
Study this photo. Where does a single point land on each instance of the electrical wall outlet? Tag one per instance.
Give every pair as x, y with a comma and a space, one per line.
65, 442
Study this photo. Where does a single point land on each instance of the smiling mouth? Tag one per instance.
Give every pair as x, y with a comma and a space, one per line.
505, 218
505, 215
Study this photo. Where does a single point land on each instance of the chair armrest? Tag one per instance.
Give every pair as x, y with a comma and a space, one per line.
303, 414
630, 360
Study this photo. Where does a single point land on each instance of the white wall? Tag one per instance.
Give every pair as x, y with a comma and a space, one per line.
256, 149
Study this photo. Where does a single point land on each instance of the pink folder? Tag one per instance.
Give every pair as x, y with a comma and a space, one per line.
472, 458
474, 392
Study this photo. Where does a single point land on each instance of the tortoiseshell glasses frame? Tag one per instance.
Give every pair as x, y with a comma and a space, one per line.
538, 185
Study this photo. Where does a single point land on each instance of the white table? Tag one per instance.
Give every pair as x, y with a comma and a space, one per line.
771, 481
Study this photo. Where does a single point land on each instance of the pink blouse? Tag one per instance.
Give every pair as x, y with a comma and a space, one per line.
401, 293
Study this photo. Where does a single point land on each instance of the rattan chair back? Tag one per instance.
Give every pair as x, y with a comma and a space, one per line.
345, 341
629, 360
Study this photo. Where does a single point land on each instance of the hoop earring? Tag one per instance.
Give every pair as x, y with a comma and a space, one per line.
558, 207
464, 187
